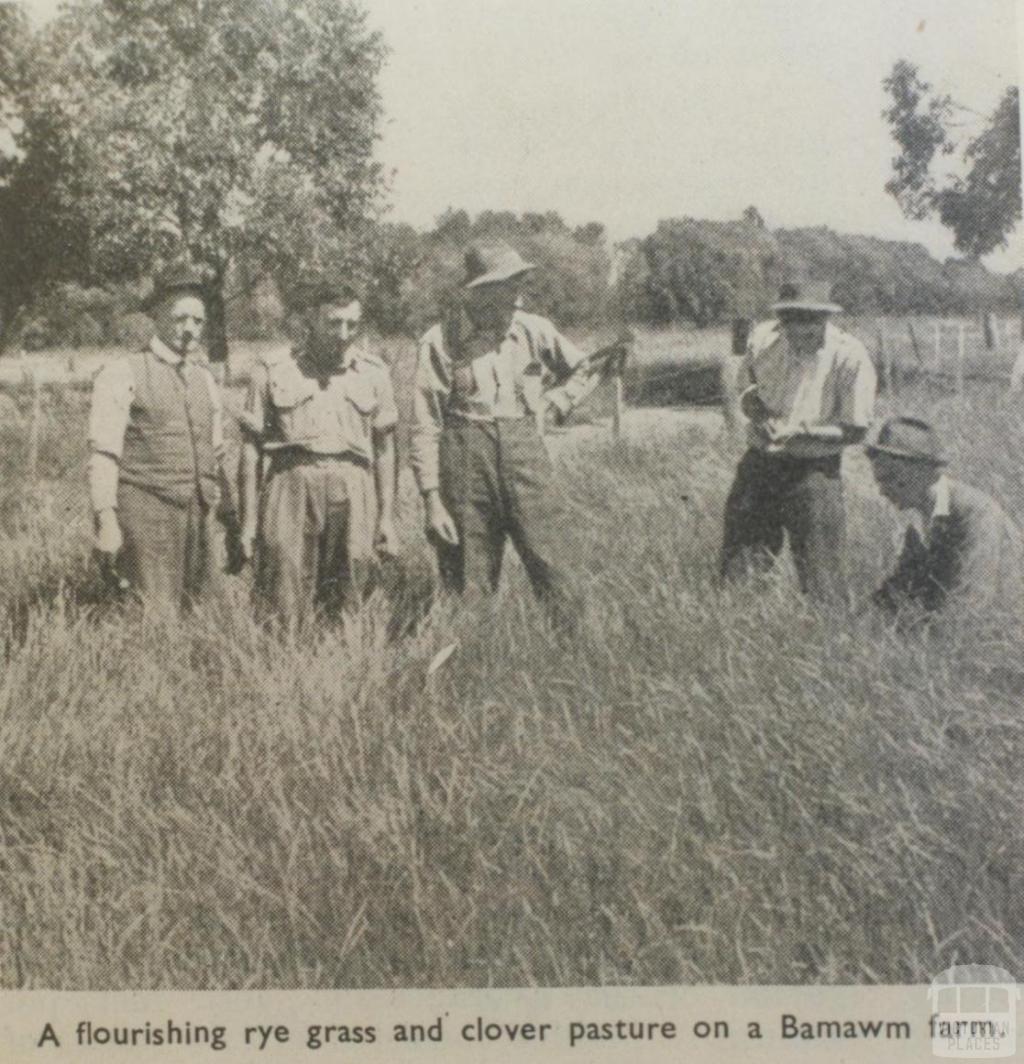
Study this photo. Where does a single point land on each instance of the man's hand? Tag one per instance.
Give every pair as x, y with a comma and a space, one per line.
825, 433
386, 540
109, 539
247, 540
439, 521
772, 430
753, 406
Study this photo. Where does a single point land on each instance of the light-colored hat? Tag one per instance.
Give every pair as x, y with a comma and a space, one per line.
489, 263
908, 438
809, 297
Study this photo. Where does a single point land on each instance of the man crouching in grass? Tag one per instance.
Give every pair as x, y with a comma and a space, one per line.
961, 549
810, 393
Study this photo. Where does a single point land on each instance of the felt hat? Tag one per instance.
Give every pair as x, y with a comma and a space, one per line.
807, 297
908, 438
174, 279
489, 263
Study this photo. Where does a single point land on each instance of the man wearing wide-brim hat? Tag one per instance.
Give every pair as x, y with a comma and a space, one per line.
486, 377
809, 393
156, 443
961, 547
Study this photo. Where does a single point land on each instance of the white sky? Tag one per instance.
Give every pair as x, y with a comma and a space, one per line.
628, 111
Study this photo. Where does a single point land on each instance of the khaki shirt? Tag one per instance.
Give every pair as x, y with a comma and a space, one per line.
288, 405
533, 363
835, 386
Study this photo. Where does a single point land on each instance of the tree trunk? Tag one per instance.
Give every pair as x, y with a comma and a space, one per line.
217, 322
9, 310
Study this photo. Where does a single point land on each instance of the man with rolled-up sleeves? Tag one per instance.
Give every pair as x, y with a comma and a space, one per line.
156, 442
809, 393
487, 377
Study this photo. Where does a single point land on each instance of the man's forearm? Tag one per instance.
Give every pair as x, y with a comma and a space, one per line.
384, 471
104, 475
249, 475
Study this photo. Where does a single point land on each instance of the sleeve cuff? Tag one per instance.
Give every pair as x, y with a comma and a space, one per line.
559, 400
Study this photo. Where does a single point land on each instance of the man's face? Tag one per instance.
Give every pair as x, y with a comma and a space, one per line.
179, 322
335, 327
490, 306
903, 481
805, 332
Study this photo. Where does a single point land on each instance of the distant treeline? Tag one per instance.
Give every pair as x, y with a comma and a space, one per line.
687, 270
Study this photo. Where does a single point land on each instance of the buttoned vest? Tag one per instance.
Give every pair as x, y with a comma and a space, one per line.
168, 445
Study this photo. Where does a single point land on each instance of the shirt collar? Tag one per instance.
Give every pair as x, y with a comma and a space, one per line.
354, 353
165, 353
940, 498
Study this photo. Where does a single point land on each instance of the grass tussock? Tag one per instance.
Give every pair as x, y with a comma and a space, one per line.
705, 786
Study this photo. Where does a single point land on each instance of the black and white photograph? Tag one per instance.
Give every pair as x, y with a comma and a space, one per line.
510, 495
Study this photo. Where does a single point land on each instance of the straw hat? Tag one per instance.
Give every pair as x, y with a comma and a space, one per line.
808, 297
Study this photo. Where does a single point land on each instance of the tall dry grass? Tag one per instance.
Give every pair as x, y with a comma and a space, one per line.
705, 786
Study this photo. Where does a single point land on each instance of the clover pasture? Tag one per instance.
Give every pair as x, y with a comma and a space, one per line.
704, 786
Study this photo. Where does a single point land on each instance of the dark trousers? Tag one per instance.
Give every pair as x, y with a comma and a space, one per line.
170, 551
774, 495
497, 484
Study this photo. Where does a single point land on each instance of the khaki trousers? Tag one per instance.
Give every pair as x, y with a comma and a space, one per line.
317, 522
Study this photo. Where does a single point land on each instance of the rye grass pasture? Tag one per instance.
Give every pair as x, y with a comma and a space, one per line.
705, 786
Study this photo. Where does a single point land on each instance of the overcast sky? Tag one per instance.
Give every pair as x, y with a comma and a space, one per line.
627, 111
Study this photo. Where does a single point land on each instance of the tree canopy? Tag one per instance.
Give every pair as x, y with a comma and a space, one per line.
220, 130
982, 206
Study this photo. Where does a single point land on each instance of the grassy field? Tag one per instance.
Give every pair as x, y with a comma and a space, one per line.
705, 786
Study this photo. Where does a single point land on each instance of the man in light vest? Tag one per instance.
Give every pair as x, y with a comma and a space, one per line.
156, 439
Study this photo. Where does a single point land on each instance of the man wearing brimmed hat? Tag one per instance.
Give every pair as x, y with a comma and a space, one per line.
156, 440
486, 376
810, 392
318, 459
962, 546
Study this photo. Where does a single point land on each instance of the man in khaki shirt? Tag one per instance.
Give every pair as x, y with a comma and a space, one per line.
486, 378
156, 439
810, 392
318, 462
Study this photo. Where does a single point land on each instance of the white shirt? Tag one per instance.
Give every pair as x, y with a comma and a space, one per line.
834, 386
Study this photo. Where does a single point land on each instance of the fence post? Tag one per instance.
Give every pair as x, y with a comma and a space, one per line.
33, 430
619, 401
938, 345
883, 358
961, 357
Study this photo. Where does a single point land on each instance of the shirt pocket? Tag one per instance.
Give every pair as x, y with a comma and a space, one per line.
361, 395
530, 386
289, 388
